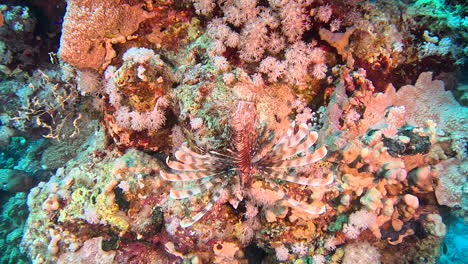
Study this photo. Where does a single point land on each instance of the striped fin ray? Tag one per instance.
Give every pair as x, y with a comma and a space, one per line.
264, 149
292, 138
189, 175
302, 180
193, 189
282, 140
224, 159
308, 208
185, 155
184, 147
215, 195
297, 148
200, 181
291, 144
176, 165
301, 161
288, 140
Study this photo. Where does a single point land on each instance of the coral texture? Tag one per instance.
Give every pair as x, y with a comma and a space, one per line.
224, 131
87, 43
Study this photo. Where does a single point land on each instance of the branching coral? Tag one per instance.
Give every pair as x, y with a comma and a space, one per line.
49, 102
214, 171
260, 33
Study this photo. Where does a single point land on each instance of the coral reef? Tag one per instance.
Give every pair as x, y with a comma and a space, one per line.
88, 43
215, 170
14, 211
222, 131
18, 23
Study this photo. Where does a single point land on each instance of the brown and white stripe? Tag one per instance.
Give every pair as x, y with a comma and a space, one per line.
301, 161
214, 197
308, 208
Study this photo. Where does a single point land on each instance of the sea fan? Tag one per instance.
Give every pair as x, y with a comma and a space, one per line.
214, 171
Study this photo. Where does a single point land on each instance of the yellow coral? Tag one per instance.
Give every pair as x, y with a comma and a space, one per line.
79, 198
108, 209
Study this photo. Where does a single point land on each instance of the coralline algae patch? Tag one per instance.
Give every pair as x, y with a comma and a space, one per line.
84, 203
221, 131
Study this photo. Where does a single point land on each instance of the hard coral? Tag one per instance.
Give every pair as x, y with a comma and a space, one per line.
88, 43
171, 28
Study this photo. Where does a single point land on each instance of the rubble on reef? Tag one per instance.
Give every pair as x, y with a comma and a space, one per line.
222, 131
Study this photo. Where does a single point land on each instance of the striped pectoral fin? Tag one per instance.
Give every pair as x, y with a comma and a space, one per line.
187, 158
301, 161
291, 139
188, 175
293, 146
284, 139
193, 189
214, 197
323, 181
181, 194
227, 158
188, 222
308, 208
176, 165
192, 153
296, 149
184, 193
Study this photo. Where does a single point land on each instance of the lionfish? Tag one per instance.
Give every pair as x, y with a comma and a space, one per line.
214, 171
